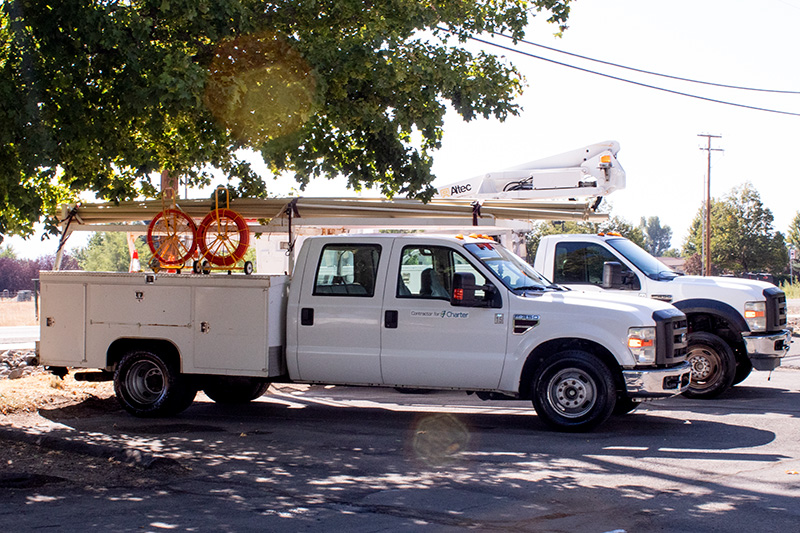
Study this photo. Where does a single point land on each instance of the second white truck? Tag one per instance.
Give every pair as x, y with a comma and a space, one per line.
734, 324
390, 310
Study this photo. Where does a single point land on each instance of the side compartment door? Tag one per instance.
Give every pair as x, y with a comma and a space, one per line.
340, 311
429, 342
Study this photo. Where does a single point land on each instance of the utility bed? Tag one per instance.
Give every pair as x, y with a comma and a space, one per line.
219, 324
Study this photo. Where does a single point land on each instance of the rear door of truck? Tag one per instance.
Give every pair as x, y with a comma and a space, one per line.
340, 308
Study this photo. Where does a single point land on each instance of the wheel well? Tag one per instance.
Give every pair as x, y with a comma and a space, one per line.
163, 348
543, 352
719, 326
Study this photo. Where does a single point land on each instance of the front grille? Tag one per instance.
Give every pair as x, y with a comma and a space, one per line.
776, 308
671, 336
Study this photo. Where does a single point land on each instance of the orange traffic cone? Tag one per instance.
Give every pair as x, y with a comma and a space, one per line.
135, 266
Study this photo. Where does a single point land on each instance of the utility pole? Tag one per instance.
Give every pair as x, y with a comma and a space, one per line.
706, 267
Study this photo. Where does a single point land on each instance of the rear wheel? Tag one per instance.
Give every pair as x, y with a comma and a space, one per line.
147, 385
573, 391
713, 365
234, 389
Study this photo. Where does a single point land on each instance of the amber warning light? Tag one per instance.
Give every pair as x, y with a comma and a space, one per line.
639, 343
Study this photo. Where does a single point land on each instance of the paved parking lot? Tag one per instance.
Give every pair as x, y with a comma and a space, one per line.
339, 458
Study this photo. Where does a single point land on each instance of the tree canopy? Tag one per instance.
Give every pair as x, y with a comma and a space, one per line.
615, 224
657, 238
99, 95
742, 236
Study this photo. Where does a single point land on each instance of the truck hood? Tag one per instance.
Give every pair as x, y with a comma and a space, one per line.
716, 287
604, 304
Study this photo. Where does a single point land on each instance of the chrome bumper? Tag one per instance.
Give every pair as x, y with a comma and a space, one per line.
766, 351
657, 382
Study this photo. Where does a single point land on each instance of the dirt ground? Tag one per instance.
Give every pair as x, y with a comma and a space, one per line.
25, 465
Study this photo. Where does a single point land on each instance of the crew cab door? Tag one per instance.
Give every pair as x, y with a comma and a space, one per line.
428, 342
340, 312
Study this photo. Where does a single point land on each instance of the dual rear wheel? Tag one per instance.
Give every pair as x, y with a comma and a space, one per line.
147, 384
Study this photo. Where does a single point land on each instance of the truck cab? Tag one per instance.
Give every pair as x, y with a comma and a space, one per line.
735, 324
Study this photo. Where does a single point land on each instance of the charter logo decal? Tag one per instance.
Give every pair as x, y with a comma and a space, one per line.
440, 314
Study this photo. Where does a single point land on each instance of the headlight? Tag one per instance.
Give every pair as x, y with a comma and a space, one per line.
755, 314
642, 344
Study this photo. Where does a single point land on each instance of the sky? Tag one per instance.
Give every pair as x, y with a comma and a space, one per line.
731, 42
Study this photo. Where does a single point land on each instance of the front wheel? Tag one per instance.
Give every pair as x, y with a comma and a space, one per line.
625, 406
713, 365
743, 369
573, 391
147, 385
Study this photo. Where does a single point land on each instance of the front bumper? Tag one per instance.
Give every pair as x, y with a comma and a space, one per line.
657, 382
766, 351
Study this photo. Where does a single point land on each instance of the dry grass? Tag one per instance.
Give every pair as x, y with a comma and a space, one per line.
14, 313
45, 391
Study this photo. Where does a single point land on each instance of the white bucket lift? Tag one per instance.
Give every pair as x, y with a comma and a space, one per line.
591, 171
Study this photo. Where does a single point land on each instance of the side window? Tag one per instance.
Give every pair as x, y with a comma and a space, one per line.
347, 270
578, 262
427, 272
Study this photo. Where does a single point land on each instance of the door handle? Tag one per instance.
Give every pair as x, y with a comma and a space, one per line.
390, 319
307, 316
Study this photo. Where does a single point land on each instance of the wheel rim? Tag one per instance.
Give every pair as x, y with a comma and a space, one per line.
572, 393
145, 382
705, 366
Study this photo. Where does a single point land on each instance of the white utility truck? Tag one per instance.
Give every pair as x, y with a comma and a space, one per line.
735, 324
391, 310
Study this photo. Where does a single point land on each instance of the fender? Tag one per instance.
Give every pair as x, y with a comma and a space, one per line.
713, 307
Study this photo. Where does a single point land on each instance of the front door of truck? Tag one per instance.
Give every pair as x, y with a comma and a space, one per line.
340, 312
428, 342
579, 265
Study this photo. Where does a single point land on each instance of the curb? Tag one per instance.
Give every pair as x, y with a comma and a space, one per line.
72, 443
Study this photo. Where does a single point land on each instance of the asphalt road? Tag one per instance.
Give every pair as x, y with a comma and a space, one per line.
372, 460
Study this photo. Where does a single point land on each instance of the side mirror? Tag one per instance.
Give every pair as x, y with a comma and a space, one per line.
464, 288
463, 294
612, 275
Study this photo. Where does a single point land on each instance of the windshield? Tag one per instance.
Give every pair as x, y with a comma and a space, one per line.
509, 268
649, 265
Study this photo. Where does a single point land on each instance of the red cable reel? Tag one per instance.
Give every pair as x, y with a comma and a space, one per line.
223, 237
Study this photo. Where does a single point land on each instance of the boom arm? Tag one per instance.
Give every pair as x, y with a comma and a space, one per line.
590, 171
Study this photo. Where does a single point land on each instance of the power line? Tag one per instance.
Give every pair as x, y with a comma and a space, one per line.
617, 78
642, 71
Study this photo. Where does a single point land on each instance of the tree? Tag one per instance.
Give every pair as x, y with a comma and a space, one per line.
8, 251
108, 252
99, 95
657, 238
742, 236
18, 274
793, 237
614, 224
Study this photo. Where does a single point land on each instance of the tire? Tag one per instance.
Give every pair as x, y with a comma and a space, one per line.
743, 369
147, 385
573, 391
234, 390
713, 365
625, 406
